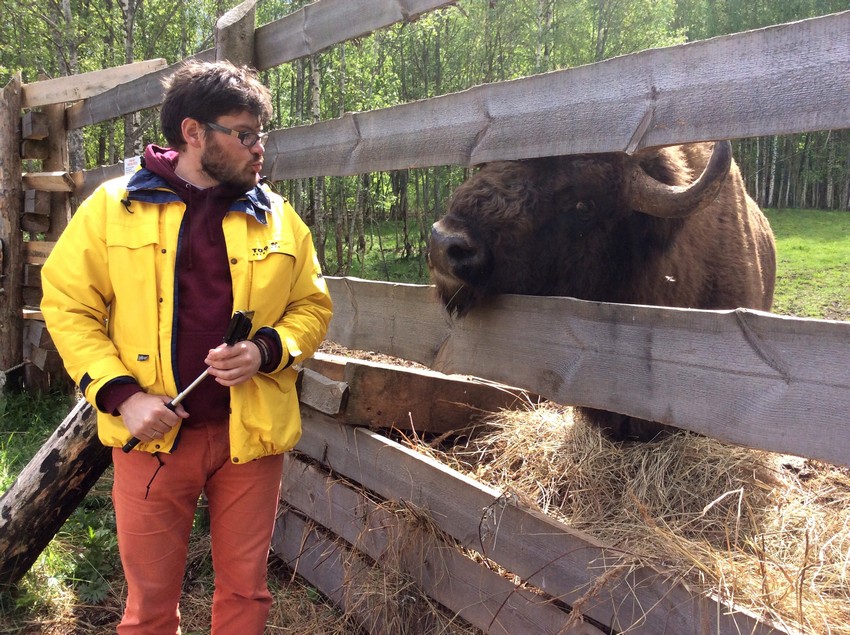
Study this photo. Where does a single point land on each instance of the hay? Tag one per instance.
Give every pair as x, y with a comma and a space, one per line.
767, 531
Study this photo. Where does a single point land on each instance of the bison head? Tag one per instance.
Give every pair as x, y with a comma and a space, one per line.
572, 225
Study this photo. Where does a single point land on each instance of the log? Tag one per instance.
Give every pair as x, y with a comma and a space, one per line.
48, 490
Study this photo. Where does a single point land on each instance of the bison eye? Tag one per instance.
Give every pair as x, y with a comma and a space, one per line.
585, 211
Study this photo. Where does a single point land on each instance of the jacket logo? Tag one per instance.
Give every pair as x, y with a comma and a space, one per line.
143, 358
260, 251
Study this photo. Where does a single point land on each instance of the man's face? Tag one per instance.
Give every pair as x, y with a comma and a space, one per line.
226, 160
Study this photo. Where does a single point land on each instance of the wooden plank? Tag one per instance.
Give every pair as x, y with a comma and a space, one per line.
37, 202
327, 22
31, 149
80, 86
320, 393
720, 88
32, 314
482, 597
88, 180
35, 223
57, 181
234, 34
332, 567
549, 555
387, 396
34, 126
11, 251
746, 377
37, 251
32, 276
131, 96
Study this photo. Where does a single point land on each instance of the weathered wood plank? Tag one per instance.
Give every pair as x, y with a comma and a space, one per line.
558, 560
327, 22
482, 597
722, 88
88, 180
745, 377
131, 96
37, 251
333, 568
57, 181
386, 396
82, 85
34, 126
11, 250
234, 34
321, 393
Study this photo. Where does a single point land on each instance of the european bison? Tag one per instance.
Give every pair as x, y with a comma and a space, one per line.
613, 227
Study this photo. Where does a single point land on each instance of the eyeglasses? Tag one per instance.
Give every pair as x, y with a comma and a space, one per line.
247, 139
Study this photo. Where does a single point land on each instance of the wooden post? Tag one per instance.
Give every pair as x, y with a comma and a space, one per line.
11, 240
234, 34
48, 490
57, 161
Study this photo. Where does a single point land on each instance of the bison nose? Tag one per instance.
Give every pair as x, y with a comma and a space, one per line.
457, 253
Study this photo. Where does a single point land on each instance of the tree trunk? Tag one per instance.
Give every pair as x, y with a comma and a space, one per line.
48, 490
319, 181
11, 243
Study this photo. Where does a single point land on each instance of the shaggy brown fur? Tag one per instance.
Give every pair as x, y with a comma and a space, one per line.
568, 226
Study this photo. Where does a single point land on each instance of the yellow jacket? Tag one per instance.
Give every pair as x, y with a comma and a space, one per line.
108, 304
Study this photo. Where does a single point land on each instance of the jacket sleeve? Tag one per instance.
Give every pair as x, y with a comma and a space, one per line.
308, 312
77, 295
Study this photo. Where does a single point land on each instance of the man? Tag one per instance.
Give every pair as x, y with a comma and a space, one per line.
138, 294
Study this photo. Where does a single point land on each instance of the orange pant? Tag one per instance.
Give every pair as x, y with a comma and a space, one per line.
154, 512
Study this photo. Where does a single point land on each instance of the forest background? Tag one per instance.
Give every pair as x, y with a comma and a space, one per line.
471, 43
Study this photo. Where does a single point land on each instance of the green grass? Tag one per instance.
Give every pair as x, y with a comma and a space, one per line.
813, 263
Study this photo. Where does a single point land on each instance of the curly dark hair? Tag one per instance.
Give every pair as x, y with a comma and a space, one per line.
208, 90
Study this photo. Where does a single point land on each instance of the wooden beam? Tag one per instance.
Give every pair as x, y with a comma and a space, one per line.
76, 87
722, 88
57, 181
131, 96
482, 597
34, 126
11, 248
386, 396
37, 251
746, 377
234, 34
558, 560
322, 24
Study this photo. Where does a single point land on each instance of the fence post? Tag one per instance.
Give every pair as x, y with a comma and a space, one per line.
11, 240
234, 34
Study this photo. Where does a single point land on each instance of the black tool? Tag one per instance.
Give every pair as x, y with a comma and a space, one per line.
238, 330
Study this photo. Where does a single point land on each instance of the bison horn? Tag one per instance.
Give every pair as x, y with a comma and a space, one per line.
645, 194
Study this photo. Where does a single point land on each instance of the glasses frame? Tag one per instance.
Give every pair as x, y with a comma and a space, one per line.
246, 138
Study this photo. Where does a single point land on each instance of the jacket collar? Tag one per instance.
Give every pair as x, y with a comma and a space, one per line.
148, 187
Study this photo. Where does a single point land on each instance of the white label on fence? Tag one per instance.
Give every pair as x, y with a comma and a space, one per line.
131, 164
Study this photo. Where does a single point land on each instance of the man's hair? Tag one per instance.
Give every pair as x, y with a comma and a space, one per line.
208, 90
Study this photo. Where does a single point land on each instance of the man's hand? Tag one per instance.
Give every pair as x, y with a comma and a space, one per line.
146, 416
232, 365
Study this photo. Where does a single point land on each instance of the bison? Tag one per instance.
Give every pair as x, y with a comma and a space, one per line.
638, 229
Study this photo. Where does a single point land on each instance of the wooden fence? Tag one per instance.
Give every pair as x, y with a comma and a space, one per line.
768, 382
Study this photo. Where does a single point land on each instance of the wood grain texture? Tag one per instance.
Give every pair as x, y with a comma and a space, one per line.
746, 377
563, 562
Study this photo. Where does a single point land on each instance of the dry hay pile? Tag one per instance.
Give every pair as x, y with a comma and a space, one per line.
770, 532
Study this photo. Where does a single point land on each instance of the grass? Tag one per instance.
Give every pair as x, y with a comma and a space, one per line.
813, 268
76, 581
